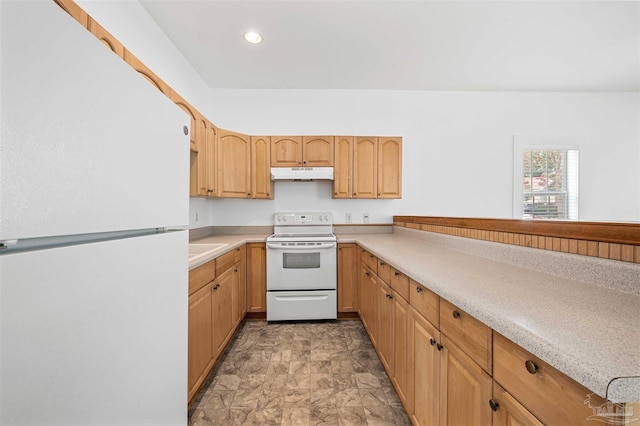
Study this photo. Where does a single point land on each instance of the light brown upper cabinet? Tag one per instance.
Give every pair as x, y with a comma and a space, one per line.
193, 116
105, 37
295, 151
151, 77
74, 10
234, 164
211, 157
261, 184
202, 132
286, 151
343, 167
317, 151
365, 168
389, 167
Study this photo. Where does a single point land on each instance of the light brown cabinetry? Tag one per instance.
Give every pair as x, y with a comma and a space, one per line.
507, 411
261, 184
547, 393
200, 349
211, 160
347, 278
389, 167
239, 294
105, 37
317, 151
234, 164
465, 388
296, 151
201, 353
286, 151
256, 277
424, 371
343, 167
365, 168
222, 310
368, 292
425, 302
400, 376
384, 318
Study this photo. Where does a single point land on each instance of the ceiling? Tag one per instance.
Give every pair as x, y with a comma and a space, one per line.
408, 45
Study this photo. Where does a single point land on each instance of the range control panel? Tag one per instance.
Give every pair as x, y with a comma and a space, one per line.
316, 218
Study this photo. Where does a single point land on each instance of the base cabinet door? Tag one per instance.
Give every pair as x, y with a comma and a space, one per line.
201, 354
256, 277
424, 371
347, 282
509, 412
401, 330
384, 318
465, 388
222, 310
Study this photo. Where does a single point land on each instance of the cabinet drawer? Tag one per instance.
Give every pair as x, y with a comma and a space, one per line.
426, 302
238, 252
200, 276
370, 260
226, 261
400, 283
473, 337
548, 394
384, 271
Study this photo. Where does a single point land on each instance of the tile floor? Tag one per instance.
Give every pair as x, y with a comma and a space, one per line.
307, 373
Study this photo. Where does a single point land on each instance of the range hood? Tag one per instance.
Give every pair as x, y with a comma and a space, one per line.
301, 173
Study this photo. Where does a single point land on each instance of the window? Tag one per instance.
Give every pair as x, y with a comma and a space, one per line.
545, 180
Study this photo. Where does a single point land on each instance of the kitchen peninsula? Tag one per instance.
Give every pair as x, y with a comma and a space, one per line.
526, 309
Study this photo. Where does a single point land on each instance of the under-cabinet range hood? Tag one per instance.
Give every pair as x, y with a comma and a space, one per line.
301, 173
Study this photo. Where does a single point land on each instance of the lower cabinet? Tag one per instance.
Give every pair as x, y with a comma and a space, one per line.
465, 388
507, 411
201, 353
384, 318
347, 278
424, 371
368, 291
256, 277
222, 310
401, 329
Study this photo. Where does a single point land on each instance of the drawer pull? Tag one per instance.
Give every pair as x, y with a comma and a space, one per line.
367, 274
439, 346
494, 405
418, 289
532, 367
382, 264
432, 341
397, 274
456, 314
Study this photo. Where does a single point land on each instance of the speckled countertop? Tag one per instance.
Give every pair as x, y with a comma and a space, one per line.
232, 242
590, 333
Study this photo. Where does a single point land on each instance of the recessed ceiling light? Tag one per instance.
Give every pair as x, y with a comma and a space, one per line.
252, 37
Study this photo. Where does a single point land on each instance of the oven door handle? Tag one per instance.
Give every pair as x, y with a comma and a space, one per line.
323, 246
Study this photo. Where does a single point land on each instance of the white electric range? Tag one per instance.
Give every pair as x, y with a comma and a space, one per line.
302, 267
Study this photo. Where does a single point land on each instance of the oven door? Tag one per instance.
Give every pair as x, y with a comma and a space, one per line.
301, 266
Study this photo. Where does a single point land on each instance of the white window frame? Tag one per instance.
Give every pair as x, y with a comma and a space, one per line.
522, 143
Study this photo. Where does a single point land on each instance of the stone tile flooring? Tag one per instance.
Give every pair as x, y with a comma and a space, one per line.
303, 373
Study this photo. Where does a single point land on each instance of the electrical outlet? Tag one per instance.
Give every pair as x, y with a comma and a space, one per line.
365, 217
347, 217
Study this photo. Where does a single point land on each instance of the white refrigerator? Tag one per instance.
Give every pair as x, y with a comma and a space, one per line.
94, 170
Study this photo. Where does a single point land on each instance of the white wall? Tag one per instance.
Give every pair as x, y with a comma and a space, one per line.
458, 148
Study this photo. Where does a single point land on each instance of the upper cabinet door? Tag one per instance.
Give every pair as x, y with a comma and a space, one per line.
212, 156
105, 37
343, 167
234, 165
261, 185
389, 167
286, 151
151, 77
317, 151
365, 169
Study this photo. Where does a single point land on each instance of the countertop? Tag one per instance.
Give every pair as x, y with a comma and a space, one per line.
588, 332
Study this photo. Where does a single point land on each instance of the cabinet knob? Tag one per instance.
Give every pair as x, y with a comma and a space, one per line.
532, 367
354, 194
439, 346
418, 289
432, 342
494, 405
397, 274
366, 273
382, 263
456, 314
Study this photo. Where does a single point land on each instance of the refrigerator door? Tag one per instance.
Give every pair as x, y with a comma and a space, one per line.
87, 144
95, 333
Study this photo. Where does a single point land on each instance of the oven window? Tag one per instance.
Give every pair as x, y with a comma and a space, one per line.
300, 260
